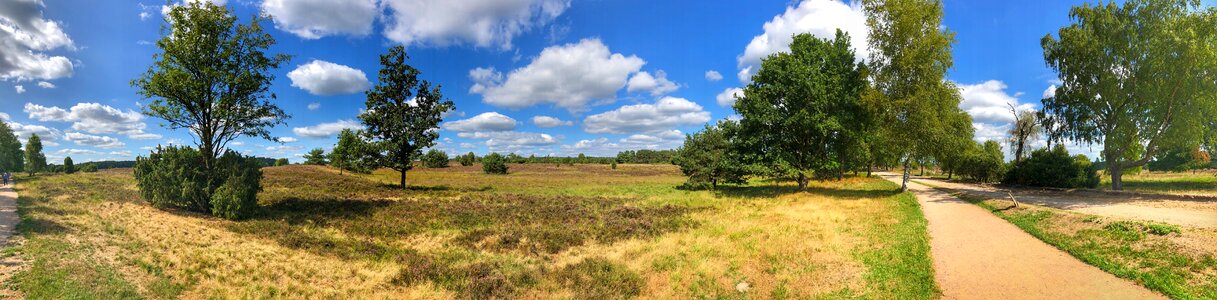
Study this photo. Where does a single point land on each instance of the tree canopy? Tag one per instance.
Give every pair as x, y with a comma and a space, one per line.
1136, 77
403, 113
11, 156
35, 160
707, 157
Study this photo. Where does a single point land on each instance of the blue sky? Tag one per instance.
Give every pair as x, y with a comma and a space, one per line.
538, 77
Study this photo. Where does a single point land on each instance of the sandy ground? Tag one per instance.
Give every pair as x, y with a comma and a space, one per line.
1167, 209
980, 256
8, 221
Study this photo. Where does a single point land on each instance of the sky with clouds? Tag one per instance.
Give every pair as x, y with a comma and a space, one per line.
544, 77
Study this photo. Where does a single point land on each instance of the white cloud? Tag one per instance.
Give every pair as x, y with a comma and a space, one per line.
313, 19
93, 140
549, 122
820, 18
287, 139
666, 113
602, 146
569, 76
46, 85
512, 141
713, 75
1050, 92
314, 106
657, 85
94, 118
20, 89
325, 130
23, 132
988, 102
165, 8
489, 121
323, 78
24, 37
77, 152
483, 23
728, 96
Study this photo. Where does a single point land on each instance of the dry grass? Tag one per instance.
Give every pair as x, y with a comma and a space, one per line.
582, 231
1176, 183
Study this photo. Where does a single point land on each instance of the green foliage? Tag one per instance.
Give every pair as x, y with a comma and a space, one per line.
802, 113
315, 157
646, 156
212, 77
352, 153
68, 166
174, 177
35, 160
467, 160
983, 162
917, 108
435, 159
11, 156
494, 163
88, 168
1137, 77
517, 159
402, 113
707, 157
613, 165
1053, 168
1178, 159
282, 162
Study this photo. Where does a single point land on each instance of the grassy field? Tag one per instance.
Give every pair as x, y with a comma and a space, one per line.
582, 231
1178, 262
1187, 183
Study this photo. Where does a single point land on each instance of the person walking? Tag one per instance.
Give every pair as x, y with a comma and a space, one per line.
7, 176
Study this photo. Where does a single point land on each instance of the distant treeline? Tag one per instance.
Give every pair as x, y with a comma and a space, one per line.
624, 157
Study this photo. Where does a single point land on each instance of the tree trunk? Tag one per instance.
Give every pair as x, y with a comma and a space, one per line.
922, 168
1117, 184
950, 173
904, 183
714, 184
869, 166
403, 179
802, 181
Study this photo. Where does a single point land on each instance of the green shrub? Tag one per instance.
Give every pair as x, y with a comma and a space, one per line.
1053, 168
494, 163
467, 160
598, 278
174, 177
983, 162
613, 165
282, 162
88, 168
68, 167
435, 159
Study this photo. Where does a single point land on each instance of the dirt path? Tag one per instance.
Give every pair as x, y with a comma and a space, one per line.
980, 256
1180, 212
9, 265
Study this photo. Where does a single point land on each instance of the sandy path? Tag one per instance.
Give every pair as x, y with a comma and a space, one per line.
8, 213
1180, 212
980, 256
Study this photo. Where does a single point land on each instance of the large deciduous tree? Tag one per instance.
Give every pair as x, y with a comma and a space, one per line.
1026, 127
351, 152
802, 113
11, 158
403, 113
1138, 77
708, 158
35, 160
910, 55
212, 77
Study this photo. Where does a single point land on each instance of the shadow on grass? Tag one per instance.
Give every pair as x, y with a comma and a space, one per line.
849, 193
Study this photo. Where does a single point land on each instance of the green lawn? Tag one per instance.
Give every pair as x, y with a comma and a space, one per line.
583, 231
1203, 183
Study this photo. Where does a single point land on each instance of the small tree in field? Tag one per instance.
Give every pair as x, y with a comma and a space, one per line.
11, 158
435, 159
707, 157
35, 161
402, 113
315, 157
494, 163
282, 162
467, 160
351, 152
68, 166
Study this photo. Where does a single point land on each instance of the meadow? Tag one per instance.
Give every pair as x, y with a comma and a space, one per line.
1177, 183
543, 231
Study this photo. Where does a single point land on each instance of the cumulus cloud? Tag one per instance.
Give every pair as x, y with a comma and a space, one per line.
988, 102
666, 113
549, 122
656, 85
325, 130
490, 121
569, 76
104, 142
287, 139
323, 78
23, 132
24, 37
483, 23
46, 85
713, 75
314, 106
603, 146
94, 118
20, 89
77, 152
1049, 92
728, 96
313, 19
820, 18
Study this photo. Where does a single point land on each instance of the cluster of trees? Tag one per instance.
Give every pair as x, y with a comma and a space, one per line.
817, 112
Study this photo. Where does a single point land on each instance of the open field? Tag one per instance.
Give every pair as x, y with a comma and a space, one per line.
1178, 261
582, 231
1177, 183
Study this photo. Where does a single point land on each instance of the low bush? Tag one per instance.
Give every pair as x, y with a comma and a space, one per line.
467, 160
435, 159
494, 163
1053, 168
598, 278
174, 177
88, 168
984, 162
